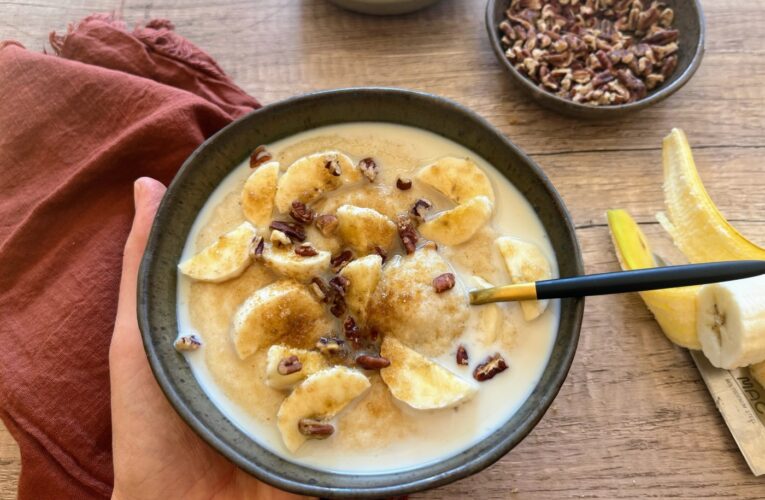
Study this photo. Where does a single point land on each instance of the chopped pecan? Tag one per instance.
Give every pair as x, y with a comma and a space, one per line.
340, 260
462, 355
382, 253
404, 183
257, 245
419, 208
294, 231
330, 346
301, 212
339, 284
369, 168
368, 362
334, 167
444, 282
488, 369
327, 224
338, 306
306, 250
187, 343
315, 429
260, 156
407, 233
351, 329
290, 364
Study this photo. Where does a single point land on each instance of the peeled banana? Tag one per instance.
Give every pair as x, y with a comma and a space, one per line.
310, 177
731, 322
696, 225
459, 224
284, 260
673, 308
363, 275
363, 229
310, 362
420, 382
459, 179
321, 396
227, 258
526, 263
258, 194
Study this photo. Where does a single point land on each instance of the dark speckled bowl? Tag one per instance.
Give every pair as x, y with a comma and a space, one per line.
689, 20
210, 164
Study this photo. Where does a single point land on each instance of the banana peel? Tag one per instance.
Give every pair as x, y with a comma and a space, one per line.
673, 308
695, 223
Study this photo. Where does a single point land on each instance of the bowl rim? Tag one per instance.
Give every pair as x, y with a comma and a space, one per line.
589, 109
494, 450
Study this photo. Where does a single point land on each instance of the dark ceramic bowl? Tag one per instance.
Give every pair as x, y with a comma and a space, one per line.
689, 20
210, 164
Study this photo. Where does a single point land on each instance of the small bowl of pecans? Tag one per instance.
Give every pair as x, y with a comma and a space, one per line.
597, 58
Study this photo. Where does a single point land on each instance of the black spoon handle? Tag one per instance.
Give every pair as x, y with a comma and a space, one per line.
648, 279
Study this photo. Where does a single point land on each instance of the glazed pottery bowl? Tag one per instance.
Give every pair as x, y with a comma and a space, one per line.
689, 20
384, 7
220, 154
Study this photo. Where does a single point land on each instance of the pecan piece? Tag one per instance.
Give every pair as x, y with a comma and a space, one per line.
368, 362
462, 355
369, 168
661, 37
488, 369
306, 250
339, 284
315, 429
289, 365
327, 224
257, 245
351, 329
382, 253
301, 212
404, 183
294, 231
340, 260
419, 208
187, 343
334, 167
444, 282
259, 157
407, 233
330, 346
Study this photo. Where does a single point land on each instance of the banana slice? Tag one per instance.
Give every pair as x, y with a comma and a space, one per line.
364, 275
284, 260
227, 258
364, 228
321, 396
673, 308
758, 372
459, 179
310, 177
419, 382
406, 306
526, 263
696, 225
490, 318
731, 322
459, 224
310, 363
284, 312
258, 194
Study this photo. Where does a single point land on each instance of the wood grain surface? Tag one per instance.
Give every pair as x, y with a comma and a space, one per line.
633, 418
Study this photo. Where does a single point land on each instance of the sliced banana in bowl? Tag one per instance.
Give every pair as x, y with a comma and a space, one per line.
287, 366
308, 178
459, 179
458, 225
226, 258
258, 194
419, 382
285, 261
363, 229
318, 398
526, 263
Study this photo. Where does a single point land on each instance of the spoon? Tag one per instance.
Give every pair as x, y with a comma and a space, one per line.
621, 282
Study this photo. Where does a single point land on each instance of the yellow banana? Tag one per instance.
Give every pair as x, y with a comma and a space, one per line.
696, 225
673, 308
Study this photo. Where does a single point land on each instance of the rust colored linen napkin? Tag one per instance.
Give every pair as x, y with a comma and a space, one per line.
76, 129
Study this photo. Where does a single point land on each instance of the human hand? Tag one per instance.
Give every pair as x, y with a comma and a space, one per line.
156, 455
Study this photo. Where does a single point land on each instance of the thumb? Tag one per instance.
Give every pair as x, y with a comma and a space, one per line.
147, 194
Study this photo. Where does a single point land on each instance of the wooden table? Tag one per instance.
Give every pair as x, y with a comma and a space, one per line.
633, 418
